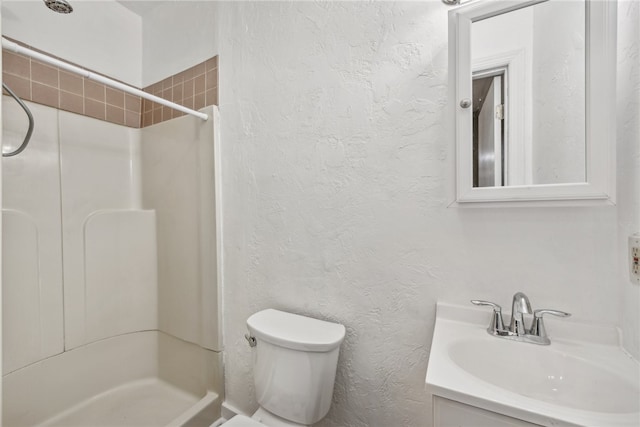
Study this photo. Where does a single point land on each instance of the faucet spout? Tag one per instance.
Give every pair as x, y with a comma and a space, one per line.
520, 306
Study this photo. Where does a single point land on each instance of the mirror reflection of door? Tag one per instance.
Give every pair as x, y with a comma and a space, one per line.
542, 50
489, 139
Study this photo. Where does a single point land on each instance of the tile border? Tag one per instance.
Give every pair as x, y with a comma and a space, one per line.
35, 81
195, 88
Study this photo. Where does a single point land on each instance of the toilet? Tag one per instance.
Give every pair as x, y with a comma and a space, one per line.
294, 368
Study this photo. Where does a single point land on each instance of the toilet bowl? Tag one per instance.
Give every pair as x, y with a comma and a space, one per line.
294, 366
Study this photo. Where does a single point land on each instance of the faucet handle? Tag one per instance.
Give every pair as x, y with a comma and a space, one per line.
542, 311
496, 320
537, 327
495, 306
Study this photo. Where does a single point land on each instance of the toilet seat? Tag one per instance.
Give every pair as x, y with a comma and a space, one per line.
242, 421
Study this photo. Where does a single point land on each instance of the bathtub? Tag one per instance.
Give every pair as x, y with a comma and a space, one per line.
144, 378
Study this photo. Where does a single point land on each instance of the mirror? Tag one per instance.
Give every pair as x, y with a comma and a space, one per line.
534, 93
530, 60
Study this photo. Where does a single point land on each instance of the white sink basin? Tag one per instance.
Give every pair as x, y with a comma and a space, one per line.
546, 374
569, 382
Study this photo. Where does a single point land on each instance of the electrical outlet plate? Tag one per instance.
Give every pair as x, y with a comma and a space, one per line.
634, 258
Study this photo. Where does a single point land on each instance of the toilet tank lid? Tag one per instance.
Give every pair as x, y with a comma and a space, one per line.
295, 331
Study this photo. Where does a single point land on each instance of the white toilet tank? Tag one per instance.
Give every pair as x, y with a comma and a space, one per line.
294, 364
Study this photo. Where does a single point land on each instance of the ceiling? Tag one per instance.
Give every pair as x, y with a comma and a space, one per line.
140, 7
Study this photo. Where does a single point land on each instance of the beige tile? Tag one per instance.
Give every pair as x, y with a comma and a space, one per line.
188, 88
16, 64
21, 87
93, 90
157, 115
115, 97
198, 69
188, 102
211, 63
188, 73
115, 114
44, 74
166, 94
177, 93
71, 83
147, 119
166, 113
71, 102
167, 83
211, 79
146, 105
154, 88
199, 86
132, 119
211, 97
180, 77
95, 109
198, 101
43, 94
132, 103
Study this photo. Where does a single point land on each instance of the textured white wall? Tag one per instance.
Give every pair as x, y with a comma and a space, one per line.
336, 181
103, 36
628, 181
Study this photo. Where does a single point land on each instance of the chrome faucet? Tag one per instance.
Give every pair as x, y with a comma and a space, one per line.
517, 330
519, 307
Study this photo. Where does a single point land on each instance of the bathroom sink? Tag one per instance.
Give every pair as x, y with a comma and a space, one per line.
583, 378
546, 374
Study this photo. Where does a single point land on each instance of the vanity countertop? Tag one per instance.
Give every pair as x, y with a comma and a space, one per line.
583, 378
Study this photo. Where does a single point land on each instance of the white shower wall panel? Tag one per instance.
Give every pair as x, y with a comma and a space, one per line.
179, 184
32, 248
121, 292
22, 313
98, 162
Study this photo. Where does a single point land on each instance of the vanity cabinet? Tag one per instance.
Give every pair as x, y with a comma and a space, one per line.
449, 413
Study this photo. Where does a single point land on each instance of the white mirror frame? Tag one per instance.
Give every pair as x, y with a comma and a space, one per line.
600, 118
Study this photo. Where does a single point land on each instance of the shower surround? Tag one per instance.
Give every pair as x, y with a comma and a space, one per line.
107, 257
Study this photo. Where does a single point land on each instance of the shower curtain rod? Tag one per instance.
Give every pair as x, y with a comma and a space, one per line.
14, 47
